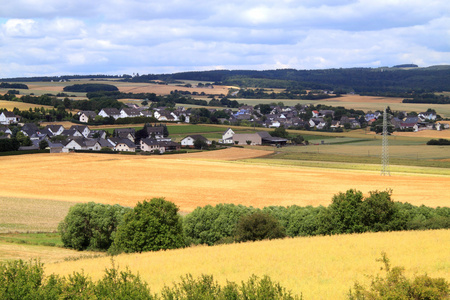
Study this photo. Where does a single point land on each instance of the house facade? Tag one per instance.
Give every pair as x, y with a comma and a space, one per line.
8, 117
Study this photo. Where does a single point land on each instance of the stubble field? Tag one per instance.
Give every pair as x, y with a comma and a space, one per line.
191, 181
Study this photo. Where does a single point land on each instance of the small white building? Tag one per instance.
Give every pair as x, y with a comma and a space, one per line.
190, 140
227, 137
8, 117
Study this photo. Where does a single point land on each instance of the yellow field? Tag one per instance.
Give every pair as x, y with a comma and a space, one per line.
9, 105
46, 254
191, 182
318, 267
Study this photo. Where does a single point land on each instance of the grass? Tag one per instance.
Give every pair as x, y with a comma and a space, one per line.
42, 238
29, 214
322, 267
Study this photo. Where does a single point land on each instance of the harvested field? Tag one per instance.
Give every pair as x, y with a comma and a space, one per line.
161, 89
226, 154
323, 267
432, 134
191, 183
46, 254
29, 215
9, 105
366, 99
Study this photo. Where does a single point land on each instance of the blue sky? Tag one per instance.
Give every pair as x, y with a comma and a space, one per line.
53, 37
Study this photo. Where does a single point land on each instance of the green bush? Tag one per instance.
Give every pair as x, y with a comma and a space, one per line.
20, 280
258, 226
150, 226
90, 225
205, 287
213, 224
396, 286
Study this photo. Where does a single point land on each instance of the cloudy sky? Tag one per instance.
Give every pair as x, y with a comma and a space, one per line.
60, 37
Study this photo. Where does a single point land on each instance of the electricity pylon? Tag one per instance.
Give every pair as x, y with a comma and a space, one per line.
385, 147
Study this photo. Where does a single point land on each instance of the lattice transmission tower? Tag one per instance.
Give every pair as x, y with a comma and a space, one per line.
385, 147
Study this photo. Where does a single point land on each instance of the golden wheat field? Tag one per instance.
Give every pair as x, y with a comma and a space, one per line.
318, 267
190, 183
9, 105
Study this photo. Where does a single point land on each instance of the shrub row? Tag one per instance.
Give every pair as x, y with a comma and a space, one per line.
349, 212
20, 280
156, 224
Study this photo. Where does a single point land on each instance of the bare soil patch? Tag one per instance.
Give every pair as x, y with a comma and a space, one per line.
161, 89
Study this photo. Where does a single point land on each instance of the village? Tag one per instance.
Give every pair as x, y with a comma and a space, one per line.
155, 138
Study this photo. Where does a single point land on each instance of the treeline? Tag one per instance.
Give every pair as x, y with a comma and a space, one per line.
359, 80
90, 87
438, 142
287, 94
349, 212
20, 280
6, 85
428, 98
155, 225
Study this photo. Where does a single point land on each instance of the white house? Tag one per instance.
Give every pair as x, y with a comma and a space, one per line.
227, 137
109, 112
83, 129
125, 145
190, 140
55, 129
151, 145
8, 117
86, 115
81, 143
129, 113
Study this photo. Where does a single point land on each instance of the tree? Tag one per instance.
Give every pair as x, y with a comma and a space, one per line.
23, 139
298, 139
200, 144
90, 225
151, 226
258, 226
280, 132
43, 144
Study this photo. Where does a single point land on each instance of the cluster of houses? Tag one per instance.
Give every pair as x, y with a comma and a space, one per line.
80, 137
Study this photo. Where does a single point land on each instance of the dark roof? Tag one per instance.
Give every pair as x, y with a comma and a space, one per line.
127, 142
111, 111
198, 137
266, 137
9, 114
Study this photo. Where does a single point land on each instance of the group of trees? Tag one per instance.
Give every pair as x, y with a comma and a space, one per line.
150, 226
349, 212
438, 142
155, 224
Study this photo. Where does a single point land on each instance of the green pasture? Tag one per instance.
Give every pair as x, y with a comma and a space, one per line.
43, 238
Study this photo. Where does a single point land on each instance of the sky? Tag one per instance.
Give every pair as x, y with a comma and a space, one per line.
115, 37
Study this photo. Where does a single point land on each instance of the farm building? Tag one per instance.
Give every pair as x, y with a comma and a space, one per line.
190, 140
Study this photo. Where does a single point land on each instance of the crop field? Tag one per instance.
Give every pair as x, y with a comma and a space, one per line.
365, 103
9, 105
30, 215
200, 179
324, 267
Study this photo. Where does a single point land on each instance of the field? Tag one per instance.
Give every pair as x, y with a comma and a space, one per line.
9, 105
191, 182
318, 267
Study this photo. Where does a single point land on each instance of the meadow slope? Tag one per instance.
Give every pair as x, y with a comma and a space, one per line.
322, 267
190, 183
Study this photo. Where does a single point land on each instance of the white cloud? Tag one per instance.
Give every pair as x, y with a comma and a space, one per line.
84, 36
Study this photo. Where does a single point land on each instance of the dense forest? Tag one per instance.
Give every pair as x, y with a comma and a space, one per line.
383, 81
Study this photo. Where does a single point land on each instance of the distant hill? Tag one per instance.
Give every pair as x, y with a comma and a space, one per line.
395, 80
